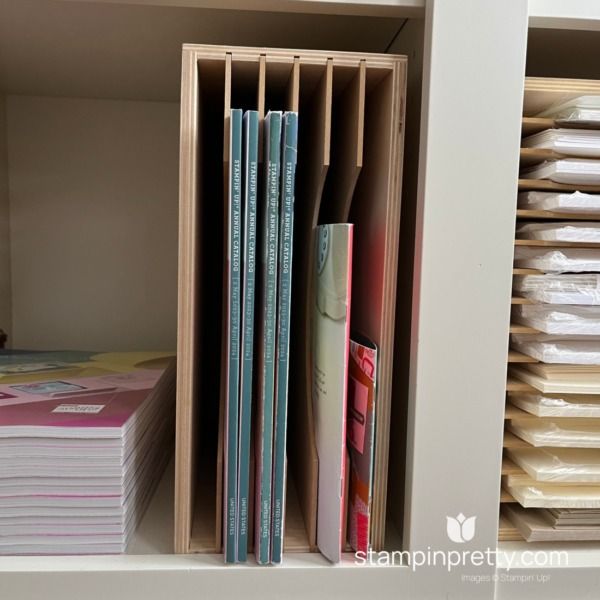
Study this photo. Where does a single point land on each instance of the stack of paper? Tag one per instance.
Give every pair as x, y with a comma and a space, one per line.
560, 379
557, 405
558, 465
582, 110
558, 433
575, 202
575, 142
84, 439
583, 171
534, 525
558, 260
564, 288
540, 495
576, 232
564, 518
557, 336
560, 319
559, 349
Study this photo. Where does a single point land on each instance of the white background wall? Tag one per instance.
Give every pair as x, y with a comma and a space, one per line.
93, 223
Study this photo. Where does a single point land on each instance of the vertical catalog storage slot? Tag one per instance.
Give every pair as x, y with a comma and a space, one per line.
350, 111
200, 234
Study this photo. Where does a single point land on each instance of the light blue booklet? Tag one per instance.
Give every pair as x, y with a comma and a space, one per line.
233, 219
266, 337
289, 148
247, 344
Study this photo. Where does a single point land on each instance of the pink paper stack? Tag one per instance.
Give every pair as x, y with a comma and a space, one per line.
80, 455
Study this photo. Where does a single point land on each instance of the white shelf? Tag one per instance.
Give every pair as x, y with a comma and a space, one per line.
374, 8
132, 50
565, 14
575, 578
150, 572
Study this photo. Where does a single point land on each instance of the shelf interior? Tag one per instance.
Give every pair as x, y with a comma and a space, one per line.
132, 51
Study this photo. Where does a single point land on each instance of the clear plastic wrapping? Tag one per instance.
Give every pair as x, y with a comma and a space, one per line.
583, 289
558, 465
557, 433
558, 319
561, 231
575, 202
544, 495
558, 405
559, 349
575, 142
567, 170
581, 110
558, 260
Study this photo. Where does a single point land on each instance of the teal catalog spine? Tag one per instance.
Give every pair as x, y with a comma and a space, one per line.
247, 344
284, 296
234, 242
267, 321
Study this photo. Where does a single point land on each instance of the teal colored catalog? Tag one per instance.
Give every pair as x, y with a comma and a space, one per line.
266, 323
234, 242
286, 243
250, 185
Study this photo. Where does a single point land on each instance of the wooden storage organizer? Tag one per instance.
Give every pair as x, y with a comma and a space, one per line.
351, 109
540, 93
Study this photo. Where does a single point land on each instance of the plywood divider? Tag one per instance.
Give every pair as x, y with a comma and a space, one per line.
552, 244
518, 357
186, 311
348, 122
523, 213
227, 108
260, 101
545, 185
225, 288
531, 125
534, 156
376, 212
293, 88
512, 441
315, 141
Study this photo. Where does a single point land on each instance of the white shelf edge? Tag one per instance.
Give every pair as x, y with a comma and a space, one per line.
373, 8
565, 14
174, 562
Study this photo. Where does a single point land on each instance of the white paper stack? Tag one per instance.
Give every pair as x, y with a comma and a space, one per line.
574, 142
575, 232
560, 379
560, 319
582, 110
564, 288
84, 439
557, 493
557, 405
577, 203
558, 260
558, 465
558, 349
540, 495
558, 433
584, 171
